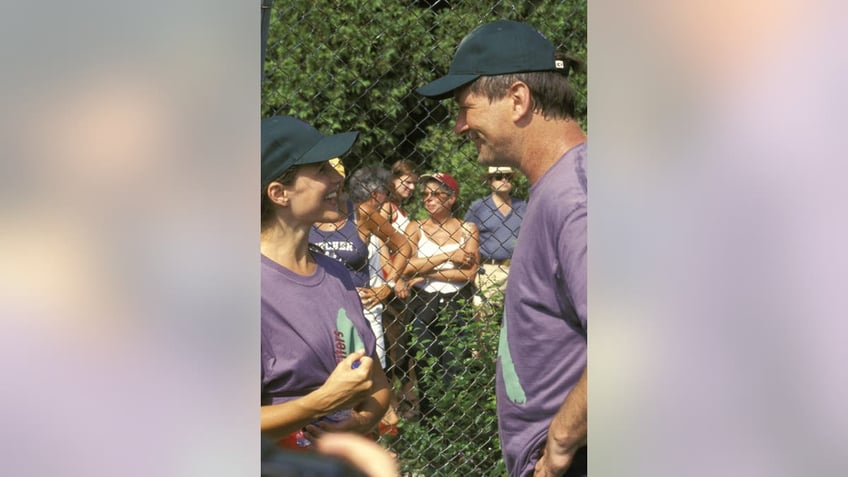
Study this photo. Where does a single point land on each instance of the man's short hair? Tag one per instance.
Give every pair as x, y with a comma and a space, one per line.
551, 93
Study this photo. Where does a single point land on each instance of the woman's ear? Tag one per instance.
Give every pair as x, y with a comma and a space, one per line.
451, 200
278, 194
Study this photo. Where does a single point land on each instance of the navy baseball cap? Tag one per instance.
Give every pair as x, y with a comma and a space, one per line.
495, 48
288, 141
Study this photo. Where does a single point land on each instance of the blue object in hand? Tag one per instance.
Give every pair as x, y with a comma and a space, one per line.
355, 364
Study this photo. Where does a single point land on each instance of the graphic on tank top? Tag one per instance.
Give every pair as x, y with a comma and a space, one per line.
346, 246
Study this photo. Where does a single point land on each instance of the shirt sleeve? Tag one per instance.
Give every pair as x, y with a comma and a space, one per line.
571, 251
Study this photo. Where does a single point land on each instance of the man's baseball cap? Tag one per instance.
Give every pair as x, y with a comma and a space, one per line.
288, 141
495, 48
442, 178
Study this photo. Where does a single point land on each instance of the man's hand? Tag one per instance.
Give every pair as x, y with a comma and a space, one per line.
567, 432
554, 460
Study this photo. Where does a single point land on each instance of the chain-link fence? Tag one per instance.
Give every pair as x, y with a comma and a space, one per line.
344, 65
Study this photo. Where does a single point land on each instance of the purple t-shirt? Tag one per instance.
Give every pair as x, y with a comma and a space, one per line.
309, 324
542, 349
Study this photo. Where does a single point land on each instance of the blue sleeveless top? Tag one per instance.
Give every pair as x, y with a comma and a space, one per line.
346, 246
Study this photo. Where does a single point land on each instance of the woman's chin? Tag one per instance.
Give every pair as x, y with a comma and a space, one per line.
330, 215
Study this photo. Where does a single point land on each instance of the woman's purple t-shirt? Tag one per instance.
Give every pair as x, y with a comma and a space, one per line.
309, 324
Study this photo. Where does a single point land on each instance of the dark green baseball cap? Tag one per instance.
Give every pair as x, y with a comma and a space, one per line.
288, 141
496, 48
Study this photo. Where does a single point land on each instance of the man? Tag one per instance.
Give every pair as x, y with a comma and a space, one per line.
517, 107
498, 217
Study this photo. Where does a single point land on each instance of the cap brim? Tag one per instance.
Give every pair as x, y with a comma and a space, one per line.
444, 87
329, 147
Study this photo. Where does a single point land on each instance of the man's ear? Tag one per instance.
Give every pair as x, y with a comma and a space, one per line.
278, 194
519, 95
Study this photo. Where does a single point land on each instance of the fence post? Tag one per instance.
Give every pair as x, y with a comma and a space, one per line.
266, 20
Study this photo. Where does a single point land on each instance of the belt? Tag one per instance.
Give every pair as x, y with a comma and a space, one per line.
492, 261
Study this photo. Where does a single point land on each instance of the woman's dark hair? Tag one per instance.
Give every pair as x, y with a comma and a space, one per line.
266, 206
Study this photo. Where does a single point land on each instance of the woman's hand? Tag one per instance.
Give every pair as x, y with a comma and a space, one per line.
347, 386
372, 297
358, 422
401, 288
461, 257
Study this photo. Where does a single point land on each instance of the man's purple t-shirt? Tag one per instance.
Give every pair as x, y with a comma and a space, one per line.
542, 349
309, 324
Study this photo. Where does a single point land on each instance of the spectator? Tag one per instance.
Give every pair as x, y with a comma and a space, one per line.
445, 251
355, 240
517, 107
401, 188
498, 218
313, 329
396, 315
349, 240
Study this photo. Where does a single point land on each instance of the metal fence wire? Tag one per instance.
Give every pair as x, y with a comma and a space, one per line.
346, 65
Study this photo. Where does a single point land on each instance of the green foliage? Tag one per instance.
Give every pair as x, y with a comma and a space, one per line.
353, 65
461, 437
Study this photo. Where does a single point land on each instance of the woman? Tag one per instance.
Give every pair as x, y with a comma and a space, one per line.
443, 267
401, 187
351, 240
317, 348
356, 241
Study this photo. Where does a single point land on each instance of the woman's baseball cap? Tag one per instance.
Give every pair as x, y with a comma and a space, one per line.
495, 48
442, 178
288, 141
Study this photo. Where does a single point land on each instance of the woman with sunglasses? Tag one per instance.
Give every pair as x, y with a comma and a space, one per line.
317, 349
444, 264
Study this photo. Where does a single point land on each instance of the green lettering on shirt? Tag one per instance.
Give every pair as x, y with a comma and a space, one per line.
353, 341
514, 391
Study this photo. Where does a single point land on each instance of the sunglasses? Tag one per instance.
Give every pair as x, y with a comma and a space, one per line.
501, 177
426, 194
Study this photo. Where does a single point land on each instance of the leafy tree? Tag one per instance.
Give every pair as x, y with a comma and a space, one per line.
346, 64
